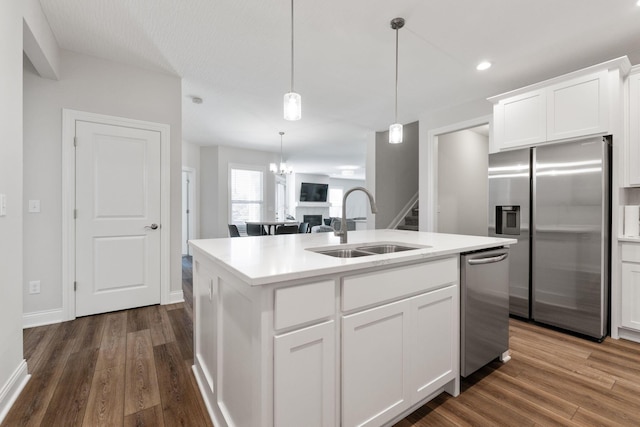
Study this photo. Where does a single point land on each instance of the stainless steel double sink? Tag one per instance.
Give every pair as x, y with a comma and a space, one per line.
366, 250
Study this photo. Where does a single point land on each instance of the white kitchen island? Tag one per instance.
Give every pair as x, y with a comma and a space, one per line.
287, 336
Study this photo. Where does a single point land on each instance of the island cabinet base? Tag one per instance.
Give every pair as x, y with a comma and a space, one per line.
360, 348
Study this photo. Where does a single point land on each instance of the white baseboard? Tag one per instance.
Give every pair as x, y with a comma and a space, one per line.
12, 388
41, 318
176, 296
628, 334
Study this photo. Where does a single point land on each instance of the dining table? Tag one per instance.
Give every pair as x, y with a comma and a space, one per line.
269, 227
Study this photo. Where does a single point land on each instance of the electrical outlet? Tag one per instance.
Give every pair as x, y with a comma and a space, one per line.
34, 287
34, 206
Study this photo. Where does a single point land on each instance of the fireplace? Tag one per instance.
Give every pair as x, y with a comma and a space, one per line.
312, 220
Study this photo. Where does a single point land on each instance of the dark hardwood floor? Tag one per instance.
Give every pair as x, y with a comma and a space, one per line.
127, 368
133, 368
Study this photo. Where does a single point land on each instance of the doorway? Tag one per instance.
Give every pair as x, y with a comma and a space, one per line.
446, 190
116, 220
462, 181
188, 208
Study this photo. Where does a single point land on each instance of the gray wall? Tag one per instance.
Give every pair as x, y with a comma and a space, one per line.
11, 257
396, 173
98, 86
462, 183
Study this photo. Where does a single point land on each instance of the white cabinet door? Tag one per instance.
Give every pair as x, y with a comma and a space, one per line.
305, 377
630, 295
375, 345
520, 121
578, 107
435, 345
633, 153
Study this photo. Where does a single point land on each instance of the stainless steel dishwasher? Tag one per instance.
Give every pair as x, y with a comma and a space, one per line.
484, 308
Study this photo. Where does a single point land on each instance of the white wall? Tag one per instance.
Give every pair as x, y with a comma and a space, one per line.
214, 185
98, 86
462, 183
357, 202
11, 258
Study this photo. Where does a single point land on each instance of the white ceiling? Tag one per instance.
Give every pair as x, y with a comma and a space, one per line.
235, 54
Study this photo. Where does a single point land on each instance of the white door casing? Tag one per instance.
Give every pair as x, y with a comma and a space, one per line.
118, 180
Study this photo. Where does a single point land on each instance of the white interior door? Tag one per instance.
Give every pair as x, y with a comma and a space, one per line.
118, 217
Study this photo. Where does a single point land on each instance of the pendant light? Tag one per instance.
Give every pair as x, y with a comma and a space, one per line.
292, 100
395, 130
283, 169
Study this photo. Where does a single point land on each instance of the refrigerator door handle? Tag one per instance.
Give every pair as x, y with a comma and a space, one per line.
489, 260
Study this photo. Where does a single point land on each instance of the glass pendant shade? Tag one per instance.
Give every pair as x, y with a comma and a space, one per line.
395, 133
292, 106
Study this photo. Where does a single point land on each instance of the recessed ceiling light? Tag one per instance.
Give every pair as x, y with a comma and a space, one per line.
485, 65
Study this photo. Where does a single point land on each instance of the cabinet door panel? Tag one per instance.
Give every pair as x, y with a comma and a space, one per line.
304, 377
374, 364
205, 285
633, 166
631, 295
521, 121
578, 107
434, 354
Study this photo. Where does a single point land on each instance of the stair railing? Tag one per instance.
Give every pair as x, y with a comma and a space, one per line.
397, 220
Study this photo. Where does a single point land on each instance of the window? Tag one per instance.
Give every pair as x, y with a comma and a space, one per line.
247, 195
335, 198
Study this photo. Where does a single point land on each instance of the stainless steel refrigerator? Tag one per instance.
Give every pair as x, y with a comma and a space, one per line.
555, 200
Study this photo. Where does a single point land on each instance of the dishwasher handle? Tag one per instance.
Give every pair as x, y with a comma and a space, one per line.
487, 260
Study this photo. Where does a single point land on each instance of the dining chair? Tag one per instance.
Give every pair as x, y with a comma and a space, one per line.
254, 230
287, 229
233, 231
304, 228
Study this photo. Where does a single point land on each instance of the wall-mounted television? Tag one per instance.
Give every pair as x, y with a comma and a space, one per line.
312, 192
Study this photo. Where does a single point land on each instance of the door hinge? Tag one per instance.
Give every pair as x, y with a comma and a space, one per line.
75, 214
75, 286
75, 141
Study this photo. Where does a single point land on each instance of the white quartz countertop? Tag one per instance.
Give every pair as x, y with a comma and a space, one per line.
258, 260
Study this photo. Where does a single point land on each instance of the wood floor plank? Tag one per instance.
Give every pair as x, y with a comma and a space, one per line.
30, 408
141, 390
90, 336
150, 417
160, 325
105, 404
183, 330
454, 411
579, 390
137, 320
179, 398
114, 340
584, 417
36, 343
68, 403
529, 392
574, 362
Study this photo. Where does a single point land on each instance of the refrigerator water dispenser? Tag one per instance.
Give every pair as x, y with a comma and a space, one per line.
508, 220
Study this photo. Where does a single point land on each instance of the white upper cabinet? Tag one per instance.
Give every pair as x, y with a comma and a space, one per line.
633, 148
578, 107
567, 107
521, 120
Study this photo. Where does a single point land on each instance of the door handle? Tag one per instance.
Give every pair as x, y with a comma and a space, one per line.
477, 261
152, 226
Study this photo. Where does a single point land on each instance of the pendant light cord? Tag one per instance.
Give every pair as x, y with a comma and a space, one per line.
396, 74
291, 45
